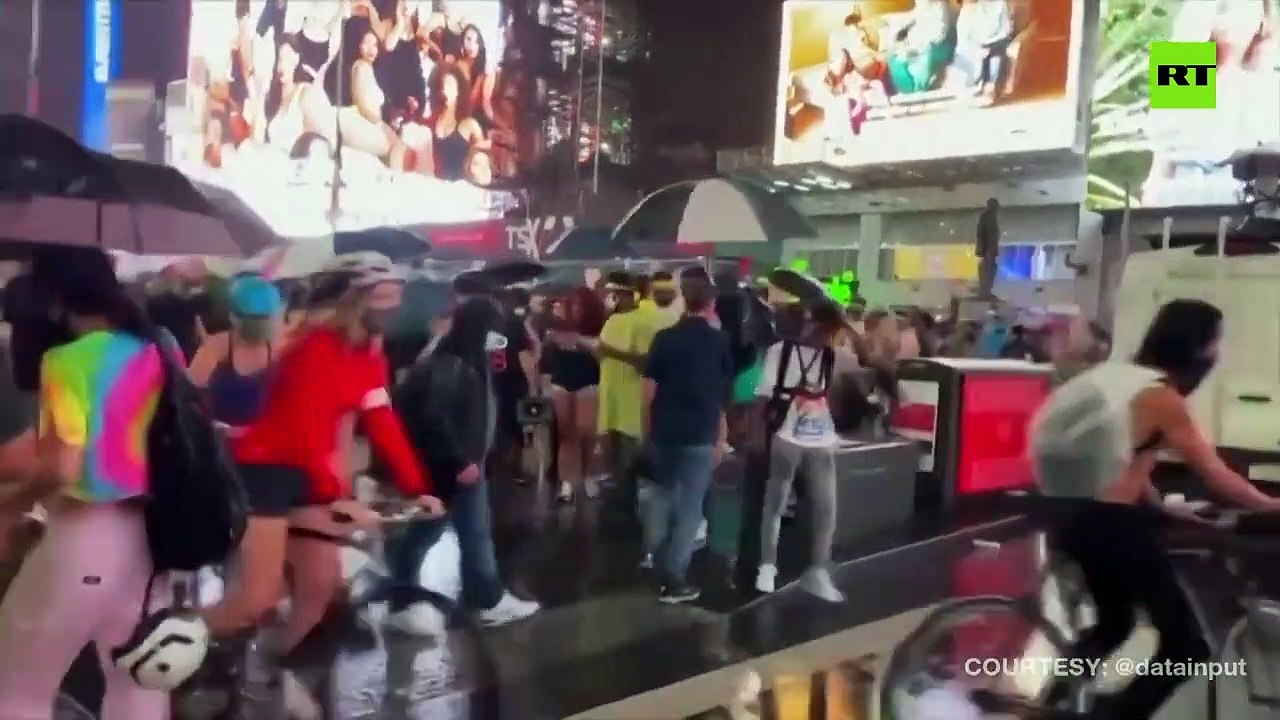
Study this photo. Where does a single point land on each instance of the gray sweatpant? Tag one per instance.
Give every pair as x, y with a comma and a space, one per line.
818, 466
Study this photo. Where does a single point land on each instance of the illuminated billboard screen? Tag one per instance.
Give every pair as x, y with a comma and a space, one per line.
889, 81
403, 105
1166, 158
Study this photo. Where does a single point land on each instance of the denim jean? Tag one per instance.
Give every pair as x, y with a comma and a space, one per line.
469, 512
685, 473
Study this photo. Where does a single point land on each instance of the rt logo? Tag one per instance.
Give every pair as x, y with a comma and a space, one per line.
1183, 75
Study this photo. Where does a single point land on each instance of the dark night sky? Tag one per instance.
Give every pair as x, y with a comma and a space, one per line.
711, 75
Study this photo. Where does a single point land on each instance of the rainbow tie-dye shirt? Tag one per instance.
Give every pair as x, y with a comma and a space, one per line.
99, 394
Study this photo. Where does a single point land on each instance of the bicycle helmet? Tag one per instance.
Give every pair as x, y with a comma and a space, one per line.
353, 270
365, 269
253, 296
166, 649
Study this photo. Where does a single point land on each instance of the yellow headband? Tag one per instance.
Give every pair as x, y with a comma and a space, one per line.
664, 285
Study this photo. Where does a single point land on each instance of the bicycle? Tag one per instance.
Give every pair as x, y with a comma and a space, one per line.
257, 681
916, 680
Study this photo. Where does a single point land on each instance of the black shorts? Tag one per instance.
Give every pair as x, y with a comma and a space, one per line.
274, 490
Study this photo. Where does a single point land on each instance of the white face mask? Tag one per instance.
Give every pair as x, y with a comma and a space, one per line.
495, 341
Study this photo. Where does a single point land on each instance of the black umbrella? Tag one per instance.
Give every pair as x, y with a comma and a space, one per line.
512, 272
53, 190
587, 244
803, 286
397, 244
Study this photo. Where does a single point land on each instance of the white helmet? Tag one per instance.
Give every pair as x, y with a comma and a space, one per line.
166, 649
365, 269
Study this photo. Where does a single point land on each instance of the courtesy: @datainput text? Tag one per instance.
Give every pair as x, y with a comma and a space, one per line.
1119, 667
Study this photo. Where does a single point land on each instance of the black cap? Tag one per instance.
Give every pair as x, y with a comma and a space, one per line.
619, 278
475, 282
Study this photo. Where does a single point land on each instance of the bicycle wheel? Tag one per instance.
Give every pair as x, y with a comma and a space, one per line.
964, 645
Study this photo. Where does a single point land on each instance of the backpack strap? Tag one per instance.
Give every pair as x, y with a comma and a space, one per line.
828, 367
784, 364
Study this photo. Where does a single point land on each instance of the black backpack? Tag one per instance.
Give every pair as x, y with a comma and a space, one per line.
779, 403
197, 507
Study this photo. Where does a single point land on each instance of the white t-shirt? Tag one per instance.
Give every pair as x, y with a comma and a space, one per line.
808, 422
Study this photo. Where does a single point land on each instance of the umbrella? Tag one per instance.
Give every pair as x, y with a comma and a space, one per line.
395, 243
53, 190
587, 244
803, 286
510, 272
715, 210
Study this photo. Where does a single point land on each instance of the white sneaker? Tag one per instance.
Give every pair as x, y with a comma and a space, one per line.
298, 702
766, 578
646, 562
418, 620
508, 610
566, 493
817, 582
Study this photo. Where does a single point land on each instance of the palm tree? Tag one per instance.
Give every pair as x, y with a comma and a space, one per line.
1119, 153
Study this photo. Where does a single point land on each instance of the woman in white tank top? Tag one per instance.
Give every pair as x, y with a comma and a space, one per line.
1110, 530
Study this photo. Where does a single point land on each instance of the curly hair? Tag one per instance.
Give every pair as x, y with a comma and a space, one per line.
585, 311
462, 106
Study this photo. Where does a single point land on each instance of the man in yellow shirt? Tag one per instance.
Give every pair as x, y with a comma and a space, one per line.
657, 313
620, 421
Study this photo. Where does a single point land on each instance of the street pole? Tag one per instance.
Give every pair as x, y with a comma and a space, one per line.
576, 131
335, 200
595, 175
32, 105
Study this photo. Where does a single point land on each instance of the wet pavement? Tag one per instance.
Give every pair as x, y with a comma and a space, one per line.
602, 645
602, 637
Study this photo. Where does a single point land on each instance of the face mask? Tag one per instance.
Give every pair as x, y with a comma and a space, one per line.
494, 342
376, 321
254, 329
1186, 381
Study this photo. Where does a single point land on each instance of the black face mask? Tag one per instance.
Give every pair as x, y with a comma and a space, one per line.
1189, 378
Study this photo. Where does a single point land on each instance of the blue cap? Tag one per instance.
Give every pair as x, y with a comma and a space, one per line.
254, 296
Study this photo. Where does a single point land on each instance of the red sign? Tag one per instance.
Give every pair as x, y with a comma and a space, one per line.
995, 417
482, 238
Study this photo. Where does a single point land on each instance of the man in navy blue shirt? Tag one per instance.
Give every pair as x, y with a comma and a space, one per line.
688, 378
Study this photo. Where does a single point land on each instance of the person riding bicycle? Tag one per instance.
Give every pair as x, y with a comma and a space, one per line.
1085, 454
290, 457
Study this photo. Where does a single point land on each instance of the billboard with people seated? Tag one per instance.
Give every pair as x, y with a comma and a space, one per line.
891, 81
1173, 157
407, 106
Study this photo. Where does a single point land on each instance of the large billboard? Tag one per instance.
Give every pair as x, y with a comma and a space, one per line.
890, 81
344, 114
1166, 158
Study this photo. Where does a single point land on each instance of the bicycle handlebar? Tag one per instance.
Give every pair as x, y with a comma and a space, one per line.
389, 511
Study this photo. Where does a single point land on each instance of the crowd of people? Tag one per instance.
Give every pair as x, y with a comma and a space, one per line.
654, 382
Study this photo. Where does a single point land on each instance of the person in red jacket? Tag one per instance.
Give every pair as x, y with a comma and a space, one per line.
290, 459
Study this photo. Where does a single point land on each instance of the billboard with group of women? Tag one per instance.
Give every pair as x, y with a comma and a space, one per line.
344, 114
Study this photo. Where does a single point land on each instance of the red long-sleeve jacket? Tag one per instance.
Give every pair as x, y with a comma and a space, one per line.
318, 382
